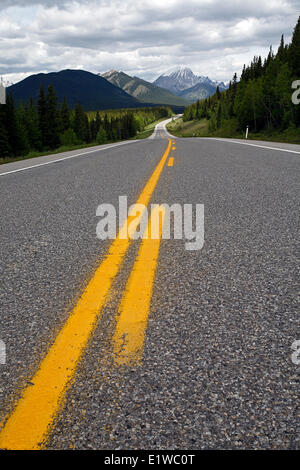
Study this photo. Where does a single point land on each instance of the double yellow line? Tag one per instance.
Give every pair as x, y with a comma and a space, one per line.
29, 424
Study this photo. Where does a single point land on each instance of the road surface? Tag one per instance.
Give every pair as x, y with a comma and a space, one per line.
121, 344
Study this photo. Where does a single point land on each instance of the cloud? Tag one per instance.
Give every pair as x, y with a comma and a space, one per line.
143, 37
25, 3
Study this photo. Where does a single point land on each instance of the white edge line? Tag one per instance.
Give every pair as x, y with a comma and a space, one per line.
67, 158
251, 145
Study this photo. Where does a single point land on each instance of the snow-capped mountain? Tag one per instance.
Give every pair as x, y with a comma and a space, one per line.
179, 79
6, 83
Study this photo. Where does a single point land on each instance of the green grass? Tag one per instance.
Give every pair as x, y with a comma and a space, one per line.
148, 131
189, 128
289, 136
229, 130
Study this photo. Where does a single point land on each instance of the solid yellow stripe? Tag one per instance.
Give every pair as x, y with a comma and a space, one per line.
28, 425
171, 161
129, 336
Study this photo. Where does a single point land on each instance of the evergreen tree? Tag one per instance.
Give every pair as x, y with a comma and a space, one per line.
98, 121
281, 50
87, 130
43, 118
5, 148
219, 116
101, 136
32, 126
23, 140
294, 52
64, 116
262, 97
12, 126
93, 130
52, 140
69, 138
80, 123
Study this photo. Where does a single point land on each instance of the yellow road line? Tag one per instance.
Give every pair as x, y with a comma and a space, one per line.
30, 422
129, 336
171, 161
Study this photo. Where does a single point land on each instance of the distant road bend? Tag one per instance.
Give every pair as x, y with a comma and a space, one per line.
124, 344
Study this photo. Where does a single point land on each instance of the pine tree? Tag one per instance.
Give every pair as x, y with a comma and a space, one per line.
65, 116
42, 114
93, 130
69, 137
101, 136
281, 50
23, 140
197, 114
32, 125
11, 126
219, 116
87, 131
294, 52
80, 123
98, 121
52, 140
5, 148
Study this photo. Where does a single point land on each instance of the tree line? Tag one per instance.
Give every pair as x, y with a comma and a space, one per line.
47, 125
261, 99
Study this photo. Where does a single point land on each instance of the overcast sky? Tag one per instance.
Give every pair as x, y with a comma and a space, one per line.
143, 38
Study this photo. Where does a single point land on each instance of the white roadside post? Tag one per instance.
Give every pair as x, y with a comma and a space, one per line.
247, 132
2, 93
2, 352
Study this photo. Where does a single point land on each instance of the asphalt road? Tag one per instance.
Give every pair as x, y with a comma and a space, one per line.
215, 368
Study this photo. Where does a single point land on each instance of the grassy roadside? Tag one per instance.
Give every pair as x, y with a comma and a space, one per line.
189, 128
148, 131
201, 129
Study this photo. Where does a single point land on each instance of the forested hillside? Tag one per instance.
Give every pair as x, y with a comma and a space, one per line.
76, 86
142, 90
46, 125
262, 99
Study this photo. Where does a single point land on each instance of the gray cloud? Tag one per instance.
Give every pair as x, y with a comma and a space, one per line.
25, 3
143, 37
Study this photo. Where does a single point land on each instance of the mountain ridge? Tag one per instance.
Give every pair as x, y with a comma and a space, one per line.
183, 82
77, 86
142, 90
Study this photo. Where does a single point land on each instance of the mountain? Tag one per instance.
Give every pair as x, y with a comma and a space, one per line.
78, 86
183, 82
143, 90
176, 79
200, 91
